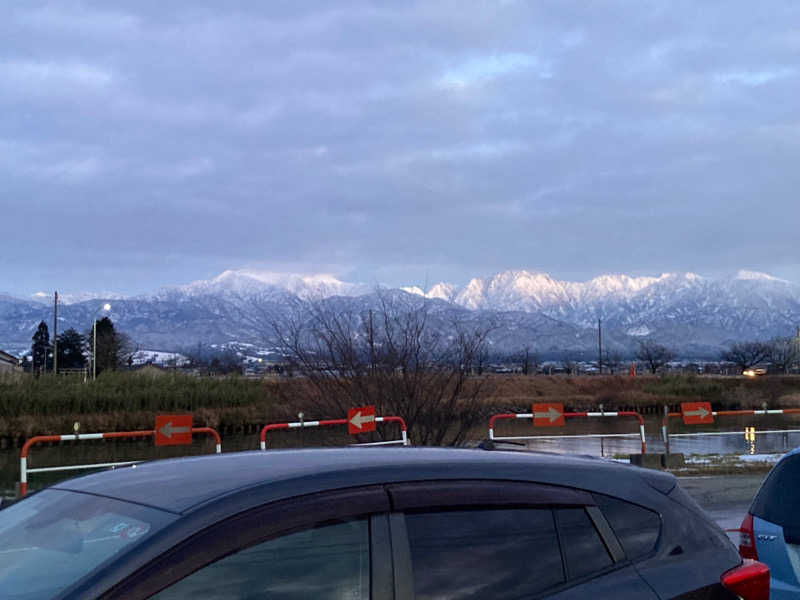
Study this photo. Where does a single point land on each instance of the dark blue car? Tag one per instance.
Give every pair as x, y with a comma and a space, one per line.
374, 523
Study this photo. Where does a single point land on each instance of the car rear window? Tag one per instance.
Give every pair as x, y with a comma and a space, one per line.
779, 497
489, 553
52, 539
637, 528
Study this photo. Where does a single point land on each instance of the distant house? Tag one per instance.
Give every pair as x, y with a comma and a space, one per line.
9, 363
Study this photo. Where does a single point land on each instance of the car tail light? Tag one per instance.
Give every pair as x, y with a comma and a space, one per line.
749, 581
747, 539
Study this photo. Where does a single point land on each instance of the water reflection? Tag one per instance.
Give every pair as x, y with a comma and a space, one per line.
749, 441
750, 438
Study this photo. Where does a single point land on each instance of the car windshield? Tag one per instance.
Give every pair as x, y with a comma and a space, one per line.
65, 536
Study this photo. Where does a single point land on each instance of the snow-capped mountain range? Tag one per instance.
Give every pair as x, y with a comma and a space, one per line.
696, 315
246, 282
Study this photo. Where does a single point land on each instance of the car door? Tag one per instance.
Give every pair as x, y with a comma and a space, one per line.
776, 527
488, 539
328, 545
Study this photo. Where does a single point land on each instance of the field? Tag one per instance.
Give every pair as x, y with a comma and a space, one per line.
125, 401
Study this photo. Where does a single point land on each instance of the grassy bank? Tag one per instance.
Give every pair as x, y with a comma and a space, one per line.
648, 394
126, 401
123, 401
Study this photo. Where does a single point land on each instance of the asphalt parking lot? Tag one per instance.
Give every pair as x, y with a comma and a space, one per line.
725, 498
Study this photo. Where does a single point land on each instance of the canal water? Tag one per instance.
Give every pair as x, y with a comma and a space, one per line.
736, 435
597, 437
738, 443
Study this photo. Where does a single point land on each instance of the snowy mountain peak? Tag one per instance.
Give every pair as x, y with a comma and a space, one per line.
440, 291
472, 295
443, 291
745, 275
67, 298
246, 281
417, 291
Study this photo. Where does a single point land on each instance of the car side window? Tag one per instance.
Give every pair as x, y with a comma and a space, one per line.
637, 528
327, 562
483, 553
584, 550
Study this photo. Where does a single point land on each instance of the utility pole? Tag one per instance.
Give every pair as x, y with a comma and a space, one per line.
55, 335
600, 345
94, 348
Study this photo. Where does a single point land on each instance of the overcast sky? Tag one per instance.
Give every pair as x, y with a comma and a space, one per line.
147, 143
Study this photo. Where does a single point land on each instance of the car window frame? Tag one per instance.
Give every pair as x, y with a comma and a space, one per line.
260, 524
617, 559
414, 497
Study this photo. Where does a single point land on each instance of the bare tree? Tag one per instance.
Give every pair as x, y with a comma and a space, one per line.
569, 365
212, 361
746, 354
393, 357
613, 360
481, 361
654, 355
529, 361
126, 348
784, 353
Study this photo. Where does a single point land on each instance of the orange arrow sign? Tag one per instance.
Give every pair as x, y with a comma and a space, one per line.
697, 413
361, 420
173, 430
548, 414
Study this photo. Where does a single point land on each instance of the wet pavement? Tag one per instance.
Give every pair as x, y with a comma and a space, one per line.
725, 498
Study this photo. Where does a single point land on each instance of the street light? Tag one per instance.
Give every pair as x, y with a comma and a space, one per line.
105, 307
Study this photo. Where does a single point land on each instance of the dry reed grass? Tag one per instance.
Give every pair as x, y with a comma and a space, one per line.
126, 401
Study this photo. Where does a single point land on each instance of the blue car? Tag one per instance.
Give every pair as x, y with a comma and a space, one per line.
770, 532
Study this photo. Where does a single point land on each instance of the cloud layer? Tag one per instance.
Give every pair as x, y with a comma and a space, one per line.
157, 143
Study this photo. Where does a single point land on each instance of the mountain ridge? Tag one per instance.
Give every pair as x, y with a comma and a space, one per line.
693, 314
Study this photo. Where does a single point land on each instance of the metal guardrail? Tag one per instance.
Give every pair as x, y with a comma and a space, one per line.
329, 422
665, 435
73, 437
571, 415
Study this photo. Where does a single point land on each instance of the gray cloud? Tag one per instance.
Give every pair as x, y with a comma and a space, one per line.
144, 143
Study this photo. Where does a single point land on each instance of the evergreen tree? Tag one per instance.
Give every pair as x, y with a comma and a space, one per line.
113, 348
41, 349
70, 350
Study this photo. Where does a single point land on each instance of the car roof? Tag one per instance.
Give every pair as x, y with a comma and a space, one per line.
187, 484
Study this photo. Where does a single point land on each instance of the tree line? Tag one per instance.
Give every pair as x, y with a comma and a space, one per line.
75, 350
782, 353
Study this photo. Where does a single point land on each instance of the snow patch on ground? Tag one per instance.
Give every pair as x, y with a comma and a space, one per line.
157, 357
770, 458
732, 460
